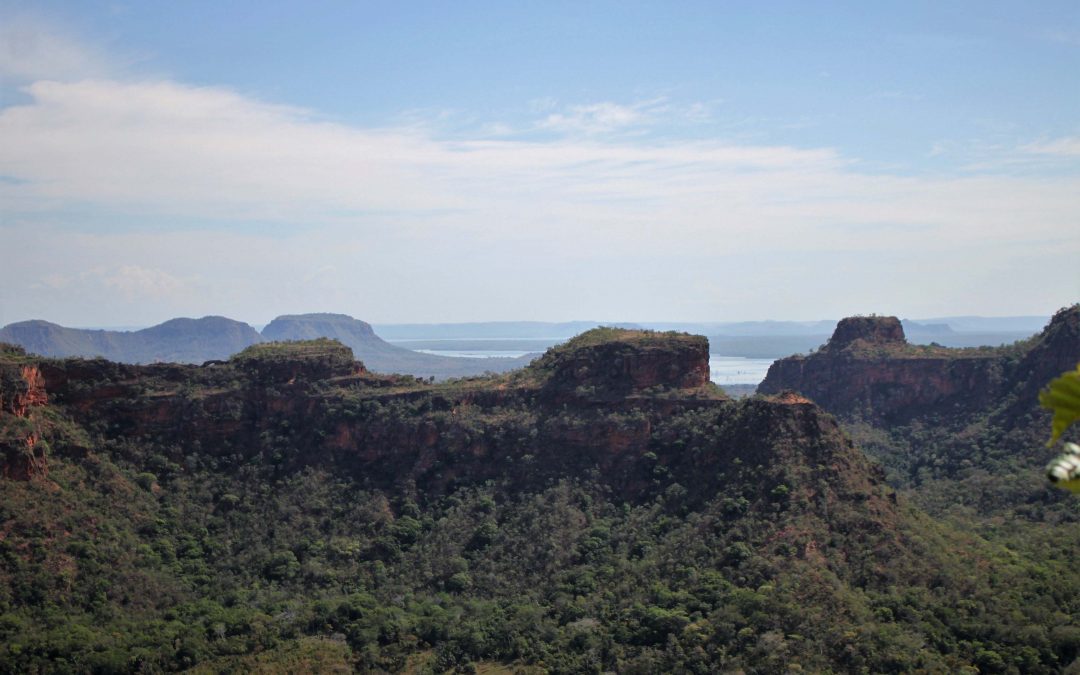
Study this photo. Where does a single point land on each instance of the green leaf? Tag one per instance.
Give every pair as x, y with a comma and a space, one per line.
1062, 396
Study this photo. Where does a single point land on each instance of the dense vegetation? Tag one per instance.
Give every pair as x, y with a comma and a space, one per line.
605, 510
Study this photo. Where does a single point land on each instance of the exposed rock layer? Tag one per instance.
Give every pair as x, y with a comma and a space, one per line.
611, 405
22, 393
870, 371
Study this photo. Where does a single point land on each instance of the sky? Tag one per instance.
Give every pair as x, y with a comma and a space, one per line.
474, 161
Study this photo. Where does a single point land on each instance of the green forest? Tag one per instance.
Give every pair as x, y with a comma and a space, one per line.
605, 509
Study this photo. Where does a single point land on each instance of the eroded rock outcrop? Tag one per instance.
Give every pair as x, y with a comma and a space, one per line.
866, 331
612, 363
633, 407
869, 370
22, 393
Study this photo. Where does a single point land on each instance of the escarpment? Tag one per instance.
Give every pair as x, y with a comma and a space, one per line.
624, 403
869, 370
607, 487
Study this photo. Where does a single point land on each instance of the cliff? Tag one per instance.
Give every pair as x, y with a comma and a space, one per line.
869, 370
603, 401
615, 363
22, 394
634, 407
339, 413
866, 331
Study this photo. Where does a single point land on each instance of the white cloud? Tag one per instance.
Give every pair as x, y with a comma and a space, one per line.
397, 224
31, 50
135, 282
1060, 147
598, 118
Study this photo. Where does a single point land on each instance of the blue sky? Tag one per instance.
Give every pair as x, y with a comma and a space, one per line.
478, 161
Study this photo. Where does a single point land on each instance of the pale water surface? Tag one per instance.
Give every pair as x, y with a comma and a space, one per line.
724, 369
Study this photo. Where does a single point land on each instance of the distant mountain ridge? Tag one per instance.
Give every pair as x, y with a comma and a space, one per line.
750, 339
176, 340
214, 338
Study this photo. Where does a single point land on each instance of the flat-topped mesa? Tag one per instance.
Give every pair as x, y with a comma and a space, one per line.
310, 326
868, 370
284, 362
864, 331
614, 362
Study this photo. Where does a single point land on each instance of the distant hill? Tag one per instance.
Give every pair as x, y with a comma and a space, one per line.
750, 339
177, 340
377, 354
991, 324
215, 338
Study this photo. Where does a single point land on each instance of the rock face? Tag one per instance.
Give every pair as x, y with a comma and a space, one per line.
631, 362
866, 330
635, 408
22, 392
868, 370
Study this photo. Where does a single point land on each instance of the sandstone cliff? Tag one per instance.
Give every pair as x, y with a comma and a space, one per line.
869, 370
625, 403
22, 393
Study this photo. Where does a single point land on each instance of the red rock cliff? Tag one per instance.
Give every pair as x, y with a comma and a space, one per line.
22, 393
868, 369
610, 363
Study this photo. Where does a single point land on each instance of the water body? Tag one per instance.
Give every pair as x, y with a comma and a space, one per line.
723, 369
474, 353
737, 369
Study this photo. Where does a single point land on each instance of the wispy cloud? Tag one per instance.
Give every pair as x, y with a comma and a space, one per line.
1061, 36
1058, 147
31, 49
593, 219
137, 282
607, 117
597, 118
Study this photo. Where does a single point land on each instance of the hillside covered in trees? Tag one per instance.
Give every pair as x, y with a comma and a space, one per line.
606, 508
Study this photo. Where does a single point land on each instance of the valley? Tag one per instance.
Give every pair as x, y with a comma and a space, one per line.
607, 507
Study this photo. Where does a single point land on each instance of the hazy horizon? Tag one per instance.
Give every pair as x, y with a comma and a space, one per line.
482, 161
1032, 321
